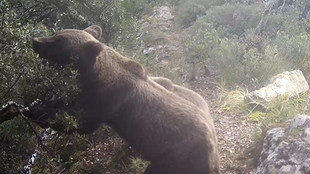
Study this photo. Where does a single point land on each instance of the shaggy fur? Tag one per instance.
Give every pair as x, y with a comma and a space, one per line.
183, 92
172, 133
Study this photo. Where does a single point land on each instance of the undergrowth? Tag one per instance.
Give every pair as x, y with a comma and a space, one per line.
282, 109
233, 101
268, 114
273, 114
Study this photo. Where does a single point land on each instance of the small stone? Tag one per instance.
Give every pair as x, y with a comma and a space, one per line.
300, 121
306, 135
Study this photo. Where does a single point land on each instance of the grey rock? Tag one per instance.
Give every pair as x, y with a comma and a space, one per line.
300, 121
306, 135
284, 152
153, 34
291, 83
163, 13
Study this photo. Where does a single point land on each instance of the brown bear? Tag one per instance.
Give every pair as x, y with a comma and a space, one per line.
186, 94
172, 133
183, 92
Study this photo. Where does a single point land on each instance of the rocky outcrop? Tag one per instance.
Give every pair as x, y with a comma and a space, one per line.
163, 17
291, 83
287, 150
155, 37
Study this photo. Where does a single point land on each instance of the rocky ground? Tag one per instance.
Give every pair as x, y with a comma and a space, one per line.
235, 132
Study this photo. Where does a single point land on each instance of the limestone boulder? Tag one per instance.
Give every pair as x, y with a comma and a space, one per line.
286, 150
287, 83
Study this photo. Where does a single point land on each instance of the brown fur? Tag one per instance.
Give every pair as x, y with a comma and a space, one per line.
188, 95
183, 92
169, 131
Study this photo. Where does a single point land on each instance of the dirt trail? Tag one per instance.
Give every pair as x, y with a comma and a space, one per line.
234, 132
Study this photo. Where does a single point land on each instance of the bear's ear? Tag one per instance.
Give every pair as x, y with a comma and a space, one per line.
136, 69
95, 31
91, 49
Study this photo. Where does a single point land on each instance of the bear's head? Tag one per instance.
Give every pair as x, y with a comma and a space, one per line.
63, 47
